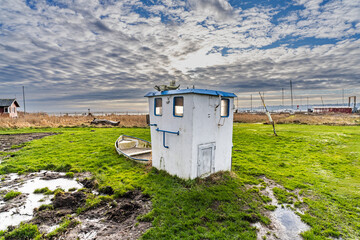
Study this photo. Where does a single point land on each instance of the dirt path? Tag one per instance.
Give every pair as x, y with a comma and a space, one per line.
8, 140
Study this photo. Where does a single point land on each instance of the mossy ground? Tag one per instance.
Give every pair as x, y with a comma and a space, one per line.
11, 195
319, 162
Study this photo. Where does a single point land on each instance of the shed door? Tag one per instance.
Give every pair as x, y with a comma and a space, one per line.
206, 155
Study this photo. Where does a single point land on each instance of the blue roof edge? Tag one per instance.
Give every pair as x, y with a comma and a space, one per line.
191, 90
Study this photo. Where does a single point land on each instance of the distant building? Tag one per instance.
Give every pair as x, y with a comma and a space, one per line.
9, 107
330, 109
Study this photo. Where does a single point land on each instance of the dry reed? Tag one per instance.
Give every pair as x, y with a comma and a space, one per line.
44, 120
300, 118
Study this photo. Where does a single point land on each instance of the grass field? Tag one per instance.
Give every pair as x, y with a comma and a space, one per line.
320, 163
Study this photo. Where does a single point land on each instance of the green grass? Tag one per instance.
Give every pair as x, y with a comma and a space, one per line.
284, 196
23, 231
18, 146
46, 207
10, 195
93, 201
319, 162
69, 175
44, 190
67, 222
47, 191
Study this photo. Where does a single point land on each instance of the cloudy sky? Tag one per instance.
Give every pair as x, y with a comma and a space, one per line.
72, 55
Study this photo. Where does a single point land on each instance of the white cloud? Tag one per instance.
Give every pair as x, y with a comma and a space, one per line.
219, 9
335, 19
90, 47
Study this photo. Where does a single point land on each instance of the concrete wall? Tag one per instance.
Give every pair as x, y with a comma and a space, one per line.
200, 126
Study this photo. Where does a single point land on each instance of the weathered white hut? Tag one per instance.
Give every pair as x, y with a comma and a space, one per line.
191, 131
9, 107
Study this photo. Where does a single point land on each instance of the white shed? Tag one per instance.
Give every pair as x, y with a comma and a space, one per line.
191, 131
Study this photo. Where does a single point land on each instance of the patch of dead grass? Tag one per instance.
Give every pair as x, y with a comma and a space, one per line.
44, 120
299, 118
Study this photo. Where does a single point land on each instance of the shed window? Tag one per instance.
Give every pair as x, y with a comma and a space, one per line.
178, 106
225, 107
6, 110
158, 106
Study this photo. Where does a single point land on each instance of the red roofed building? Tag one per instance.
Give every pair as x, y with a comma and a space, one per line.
330, 109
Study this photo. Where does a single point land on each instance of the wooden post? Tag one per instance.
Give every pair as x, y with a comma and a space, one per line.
268, 114
23, 88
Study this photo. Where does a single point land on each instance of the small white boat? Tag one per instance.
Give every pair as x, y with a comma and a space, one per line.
134, 148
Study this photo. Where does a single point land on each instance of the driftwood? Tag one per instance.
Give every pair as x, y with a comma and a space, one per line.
104, 122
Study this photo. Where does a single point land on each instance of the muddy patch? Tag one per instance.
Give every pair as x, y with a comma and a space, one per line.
116, 219
108, 218
13, 142
285, 221
21, 208
7, 141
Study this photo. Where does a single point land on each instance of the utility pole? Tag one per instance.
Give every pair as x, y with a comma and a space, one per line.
237, 103
250, 102
282, 98
343, 97
292, 100
307, 102
322, 101
23, 88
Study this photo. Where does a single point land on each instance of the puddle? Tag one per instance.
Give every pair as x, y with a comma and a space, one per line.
285, 223
21, 208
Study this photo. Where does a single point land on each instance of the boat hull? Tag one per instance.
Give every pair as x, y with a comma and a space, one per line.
134, 148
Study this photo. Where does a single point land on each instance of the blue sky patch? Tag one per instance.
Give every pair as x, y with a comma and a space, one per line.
31, 4
291, 42
57, 3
